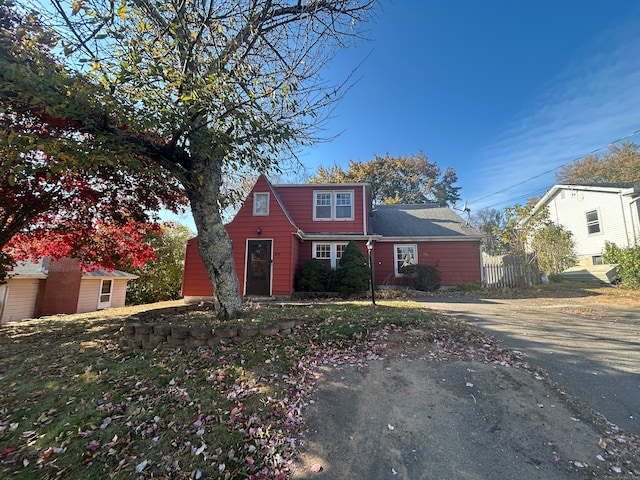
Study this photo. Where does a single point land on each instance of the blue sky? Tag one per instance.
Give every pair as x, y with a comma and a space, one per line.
502, 91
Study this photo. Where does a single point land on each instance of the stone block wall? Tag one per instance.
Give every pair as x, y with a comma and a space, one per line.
149, 330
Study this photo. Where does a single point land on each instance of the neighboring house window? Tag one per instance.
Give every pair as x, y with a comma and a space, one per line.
261, 204
329, 253
331, 205
597, 260
405, 255
593, 222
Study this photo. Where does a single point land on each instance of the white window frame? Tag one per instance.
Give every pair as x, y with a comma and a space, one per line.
333, 251
333, 195
591, 223
257, 211
396, 259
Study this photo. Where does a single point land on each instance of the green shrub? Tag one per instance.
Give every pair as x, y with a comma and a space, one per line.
628, 260
353, 273
425, 278
315, 276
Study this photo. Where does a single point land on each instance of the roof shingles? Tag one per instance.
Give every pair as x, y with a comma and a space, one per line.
420, 220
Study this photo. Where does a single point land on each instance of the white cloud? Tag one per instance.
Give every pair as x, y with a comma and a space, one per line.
595, 102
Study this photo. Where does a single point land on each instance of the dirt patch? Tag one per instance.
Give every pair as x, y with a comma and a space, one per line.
410, 417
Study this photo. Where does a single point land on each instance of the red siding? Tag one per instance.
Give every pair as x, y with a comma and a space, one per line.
195, 281
299, 202
458, 262
276, 227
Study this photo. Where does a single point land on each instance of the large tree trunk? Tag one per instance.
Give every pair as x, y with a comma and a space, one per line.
214, 243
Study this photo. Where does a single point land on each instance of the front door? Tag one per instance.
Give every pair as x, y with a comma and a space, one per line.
258, 267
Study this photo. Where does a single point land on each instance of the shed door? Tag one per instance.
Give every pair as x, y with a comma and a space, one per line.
258, 277
106, 289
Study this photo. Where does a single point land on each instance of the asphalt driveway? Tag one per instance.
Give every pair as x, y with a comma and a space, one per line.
592, 350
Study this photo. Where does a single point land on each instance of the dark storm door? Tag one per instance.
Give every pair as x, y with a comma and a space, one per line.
258, 267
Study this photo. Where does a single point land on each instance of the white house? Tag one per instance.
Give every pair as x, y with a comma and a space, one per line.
595, 214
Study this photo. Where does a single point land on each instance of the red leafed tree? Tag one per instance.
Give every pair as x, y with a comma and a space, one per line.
65, 190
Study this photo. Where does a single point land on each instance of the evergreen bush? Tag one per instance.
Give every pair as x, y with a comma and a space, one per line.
353, 273
425, 278
315, 276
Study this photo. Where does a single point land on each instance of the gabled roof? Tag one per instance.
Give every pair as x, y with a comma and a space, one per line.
620, 188
419, 221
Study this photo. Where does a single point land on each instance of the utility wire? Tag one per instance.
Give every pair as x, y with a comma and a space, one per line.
593, 152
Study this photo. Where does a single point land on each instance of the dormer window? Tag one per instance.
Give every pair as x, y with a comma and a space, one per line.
333, 205
260, 204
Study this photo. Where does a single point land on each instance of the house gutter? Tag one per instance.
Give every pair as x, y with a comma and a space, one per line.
633, 223
465, 238
335, 236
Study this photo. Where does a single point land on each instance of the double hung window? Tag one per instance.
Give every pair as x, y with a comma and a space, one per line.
593, 222
333, 205
329, 253
404, 255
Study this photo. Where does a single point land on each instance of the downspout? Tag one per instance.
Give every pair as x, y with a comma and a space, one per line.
481, 264
624, 219
635, 227
364, 210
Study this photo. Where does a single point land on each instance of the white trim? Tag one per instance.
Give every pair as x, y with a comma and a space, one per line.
364, 210
102, 304
255, 203
334, 206
465, 238
598, 221
333, 251
395, 255
330, 185
246, 259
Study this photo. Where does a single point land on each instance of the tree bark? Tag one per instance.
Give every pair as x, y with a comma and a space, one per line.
214, 244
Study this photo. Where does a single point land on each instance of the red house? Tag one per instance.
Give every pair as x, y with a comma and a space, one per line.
280, 227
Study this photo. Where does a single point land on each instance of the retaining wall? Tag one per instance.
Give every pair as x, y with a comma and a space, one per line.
149, 330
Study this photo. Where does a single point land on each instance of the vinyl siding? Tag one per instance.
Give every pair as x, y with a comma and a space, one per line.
299, 200
618, 219
119, 294
21, 296
275, 227
88, 295
90, 291
195, 281
458, 262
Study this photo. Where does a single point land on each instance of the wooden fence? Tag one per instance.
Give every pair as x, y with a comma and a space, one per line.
498, 273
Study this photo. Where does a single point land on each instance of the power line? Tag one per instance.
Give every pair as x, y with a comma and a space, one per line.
556, 167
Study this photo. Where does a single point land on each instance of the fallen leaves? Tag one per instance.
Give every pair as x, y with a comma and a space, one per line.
224, 412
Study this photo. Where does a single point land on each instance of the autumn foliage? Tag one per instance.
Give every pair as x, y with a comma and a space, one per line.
67, 189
